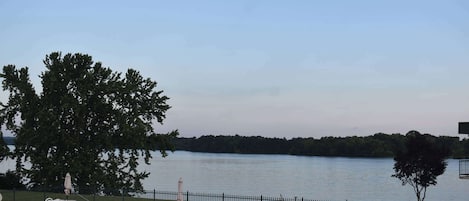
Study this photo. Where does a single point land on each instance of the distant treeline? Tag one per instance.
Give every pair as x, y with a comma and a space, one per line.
377, 145
9, 140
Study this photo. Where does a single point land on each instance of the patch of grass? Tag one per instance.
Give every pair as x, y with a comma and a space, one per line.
9, 195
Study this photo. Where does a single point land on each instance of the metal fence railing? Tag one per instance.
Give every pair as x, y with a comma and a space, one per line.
24, 195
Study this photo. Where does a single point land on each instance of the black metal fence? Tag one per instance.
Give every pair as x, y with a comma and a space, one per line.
191, 196
16, 195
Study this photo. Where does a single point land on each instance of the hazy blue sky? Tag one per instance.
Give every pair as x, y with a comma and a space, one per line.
273, 68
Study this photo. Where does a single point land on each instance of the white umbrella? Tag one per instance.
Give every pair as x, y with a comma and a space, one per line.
68, 184
180, 197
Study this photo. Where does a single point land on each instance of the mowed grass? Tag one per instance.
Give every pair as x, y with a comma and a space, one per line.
8, 195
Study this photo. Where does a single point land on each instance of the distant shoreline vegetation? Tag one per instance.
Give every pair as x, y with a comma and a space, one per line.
9, 140
377, 145
373, 146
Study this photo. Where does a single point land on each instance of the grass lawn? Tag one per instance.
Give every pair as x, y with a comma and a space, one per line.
39, 196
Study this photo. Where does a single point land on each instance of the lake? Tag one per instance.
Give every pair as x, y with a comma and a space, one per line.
322, 178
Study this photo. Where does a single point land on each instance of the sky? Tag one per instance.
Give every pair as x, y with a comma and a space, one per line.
273, 68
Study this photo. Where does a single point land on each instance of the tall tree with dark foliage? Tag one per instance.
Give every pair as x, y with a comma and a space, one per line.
87, 120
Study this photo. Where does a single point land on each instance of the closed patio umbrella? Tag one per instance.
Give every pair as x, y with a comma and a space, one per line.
180, 196
68, 184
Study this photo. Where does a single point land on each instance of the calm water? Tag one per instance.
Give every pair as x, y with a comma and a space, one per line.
324, 178
353, 179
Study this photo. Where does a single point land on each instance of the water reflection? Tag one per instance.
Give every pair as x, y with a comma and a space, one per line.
323, 178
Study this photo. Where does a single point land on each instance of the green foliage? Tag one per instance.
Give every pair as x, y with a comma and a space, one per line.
377, 145
10, 180
4, 150
420, 163
87, 120
9, 140
233, 144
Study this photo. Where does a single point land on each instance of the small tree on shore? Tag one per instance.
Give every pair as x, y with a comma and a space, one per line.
420, 163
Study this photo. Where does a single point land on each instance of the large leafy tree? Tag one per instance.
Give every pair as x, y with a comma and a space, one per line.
4, 151
420, 163
87, 120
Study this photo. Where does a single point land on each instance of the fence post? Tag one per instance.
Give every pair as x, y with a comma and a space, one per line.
187, 197
154, 194
223, 197
261, 197
94, 189
44, 193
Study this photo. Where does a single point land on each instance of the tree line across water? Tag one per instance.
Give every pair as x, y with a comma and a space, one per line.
377, 145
